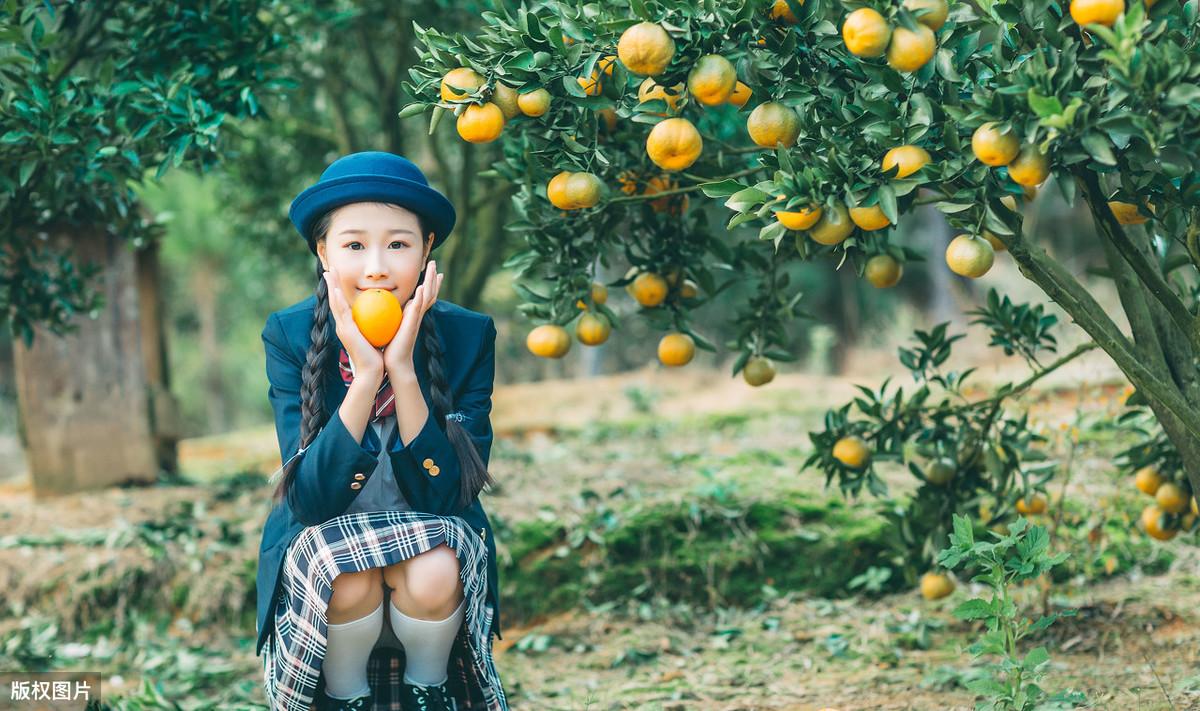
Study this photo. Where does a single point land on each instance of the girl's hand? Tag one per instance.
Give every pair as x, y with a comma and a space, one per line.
364, 357
398, 355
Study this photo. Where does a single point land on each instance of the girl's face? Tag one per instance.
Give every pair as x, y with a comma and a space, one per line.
375, 246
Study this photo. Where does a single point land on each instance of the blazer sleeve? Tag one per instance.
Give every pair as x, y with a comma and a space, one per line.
321, 487
429, 464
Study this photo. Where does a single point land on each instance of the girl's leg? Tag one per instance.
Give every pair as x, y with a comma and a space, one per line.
426, 610
355, 616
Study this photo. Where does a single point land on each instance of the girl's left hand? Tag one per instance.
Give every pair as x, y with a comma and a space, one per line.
398, 355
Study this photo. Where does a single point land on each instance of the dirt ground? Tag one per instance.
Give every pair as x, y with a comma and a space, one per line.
1134, 644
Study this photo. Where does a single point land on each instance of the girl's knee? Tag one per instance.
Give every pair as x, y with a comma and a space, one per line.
351, 590
430, 580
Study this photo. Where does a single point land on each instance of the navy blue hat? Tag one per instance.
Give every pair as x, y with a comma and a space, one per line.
373, 176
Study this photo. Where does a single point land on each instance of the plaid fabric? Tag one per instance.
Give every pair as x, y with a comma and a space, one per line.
353, 542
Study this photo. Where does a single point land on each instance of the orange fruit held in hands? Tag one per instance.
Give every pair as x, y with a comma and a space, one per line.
992, 147
645, 49
909, 50
674, 144
676, 349
464, 78
481, 123
935, 586
548, 341
377, 313
908, 158
772, 123
866, 33
1099, 12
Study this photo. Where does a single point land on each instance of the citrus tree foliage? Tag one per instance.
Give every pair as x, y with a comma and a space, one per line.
92, 97
886, 106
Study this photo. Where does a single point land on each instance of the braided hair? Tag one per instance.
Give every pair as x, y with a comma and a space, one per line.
321, 353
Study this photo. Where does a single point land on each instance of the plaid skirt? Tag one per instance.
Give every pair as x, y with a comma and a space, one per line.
293, 655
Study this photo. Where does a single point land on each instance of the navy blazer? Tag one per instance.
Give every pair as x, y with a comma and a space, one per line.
321, 488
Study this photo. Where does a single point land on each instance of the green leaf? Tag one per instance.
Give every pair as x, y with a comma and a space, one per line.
1097, 144
721, 188
974, 609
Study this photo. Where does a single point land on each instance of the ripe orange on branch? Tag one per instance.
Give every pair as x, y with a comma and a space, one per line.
801, 219
548, 341
676, 349
534, 103
592, 329
758, 371
866, 33
463, 78
773, 123
645, 49
910, 50
674, 144
935, 586
834, 226
574, 190
1098, 12
741, 94
851, 451
649, 289
712, 80
1030, 168
936, 12
969, 256
908, 159
883, 271
378, 314
869, 218
481, 123
994, 147
650, 89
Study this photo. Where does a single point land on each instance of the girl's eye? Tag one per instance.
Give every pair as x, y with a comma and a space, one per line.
352, 245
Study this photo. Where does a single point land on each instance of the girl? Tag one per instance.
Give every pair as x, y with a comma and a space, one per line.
377, 576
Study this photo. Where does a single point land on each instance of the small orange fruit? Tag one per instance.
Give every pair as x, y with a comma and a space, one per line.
1126, 213
909, 51
671, 204
781, 12
866, 33
1147, 480
1171, 498
997, 245
834, 226
969, 256
688, 289
1035, 504
649, 289
935, 586
645, 49
548, 341
993, 147
534, 103
758, 371
573, 191
934, 15
1099, 12
1030, 168
463, 78
908, 159
712, 80
674, 144
650, 89
481, 123
377, 313
505, 97
851, 451
883, 271
676, 349
741, 94
592, 329
1152, 521
599, 293
941, 471
801, 219
773, 123
869, 218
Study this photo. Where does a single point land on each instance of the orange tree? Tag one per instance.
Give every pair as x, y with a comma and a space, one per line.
819, 125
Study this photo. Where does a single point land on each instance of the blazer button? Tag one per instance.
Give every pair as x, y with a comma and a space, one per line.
356, 485
428, 463
483, 534
360, 476
435, 471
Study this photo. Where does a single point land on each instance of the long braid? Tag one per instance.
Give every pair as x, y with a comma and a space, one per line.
475, 475
312, 388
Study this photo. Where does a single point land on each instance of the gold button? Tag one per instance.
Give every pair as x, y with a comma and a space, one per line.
427, 463
435, 471
360, 476
356, 485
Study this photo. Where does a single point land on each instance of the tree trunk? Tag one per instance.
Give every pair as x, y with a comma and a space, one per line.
88, 400
204, 290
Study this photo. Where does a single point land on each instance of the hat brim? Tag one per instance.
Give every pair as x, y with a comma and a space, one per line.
437, 212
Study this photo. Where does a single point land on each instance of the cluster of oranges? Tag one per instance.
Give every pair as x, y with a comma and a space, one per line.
484, 121
868, 35
1170, 511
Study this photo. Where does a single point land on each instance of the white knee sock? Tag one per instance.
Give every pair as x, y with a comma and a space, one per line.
427, 644
346, 654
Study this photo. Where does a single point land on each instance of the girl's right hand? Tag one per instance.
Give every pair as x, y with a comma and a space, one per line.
364, 357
